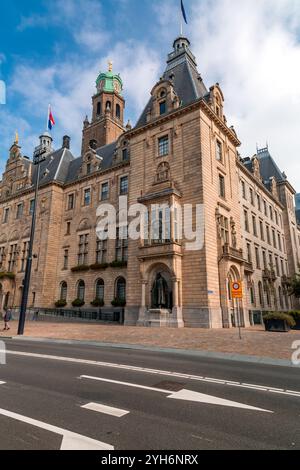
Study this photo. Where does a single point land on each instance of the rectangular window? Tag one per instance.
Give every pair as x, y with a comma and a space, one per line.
161, 225
83, 250
68, 229
163, 146
2, 257
125, 155
88, 169
264, 259
265, 208
122, 244
66, 259
101, 251
104, 191
254, 226
246, 221
244, 190
251, 197
224, 226
124, 185
19, 211
31, 206
13, 252
259, 202
274, 238
249, 253
221, 186
268, 235
6, 215
219, 151
257, 257
279, 242
87, 197
271, 213
71, 199
262, 233
162, 108
25, 252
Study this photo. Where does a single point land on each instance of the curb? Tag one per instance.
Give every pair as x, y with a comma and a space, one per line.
186, 352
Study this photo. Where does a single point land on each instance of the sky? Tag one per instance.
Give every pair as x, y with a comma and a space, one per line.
52, 52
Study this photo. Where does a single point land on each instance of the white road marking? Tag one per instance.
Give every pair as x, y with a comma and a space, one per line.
188, 395
127, 384
185, 395
155, 372
107, 410
71, 440
2, 383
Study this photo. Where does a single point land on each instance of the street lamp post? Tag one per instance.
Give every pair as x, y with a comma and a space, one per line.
38, 158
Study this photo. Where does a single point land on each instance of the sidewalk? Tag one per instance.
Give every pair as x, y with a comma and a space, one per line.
255, 341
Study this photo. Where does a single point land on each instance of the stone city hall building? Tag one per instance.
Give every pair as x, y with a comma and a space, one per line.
181, 151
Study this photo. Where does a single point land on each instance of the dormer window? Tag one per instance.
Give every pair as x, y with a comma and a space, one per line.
88, 169
162, 108
125, 155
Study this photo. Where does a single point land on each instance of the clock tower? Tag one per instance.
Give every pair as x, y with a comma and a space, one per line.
107, 122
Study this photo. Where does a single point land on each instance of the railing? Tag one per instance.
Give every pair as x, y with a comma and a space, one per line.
101, 315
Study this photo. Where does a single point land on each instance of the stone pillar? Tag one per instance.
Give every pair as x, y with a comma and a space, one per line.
143, 310
177, 318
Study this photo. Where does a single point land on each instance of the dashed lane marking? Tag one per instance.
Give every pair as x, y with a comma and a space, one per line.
158, 372
107, 410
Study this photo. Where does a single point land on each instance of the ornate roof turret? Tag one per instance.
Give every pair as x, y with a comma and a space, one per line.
109, 82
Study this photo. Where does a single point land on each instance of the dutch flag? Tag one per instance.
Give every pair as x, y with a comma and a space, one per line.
51, 121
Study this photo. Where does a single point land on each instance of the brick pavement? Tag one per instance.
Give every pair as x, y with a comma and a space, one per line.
255, 342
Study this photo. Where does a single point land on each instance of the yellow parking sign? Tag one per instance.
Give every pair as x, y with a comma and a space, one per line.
237, 290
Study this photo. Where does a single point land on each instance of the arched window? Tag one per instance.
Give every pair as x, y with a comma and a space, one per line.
100, 289
108, 105
118, 111
99, 108
63, 291
121, 289
81, 290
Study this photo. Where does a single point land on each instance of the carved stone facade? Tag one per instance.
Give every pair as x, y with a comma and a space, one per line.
180, 152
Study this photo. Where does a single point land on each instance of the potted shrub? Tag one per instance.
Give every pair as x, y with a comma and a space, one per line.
118, 264
296, 316
278, 321
99, 266
98, 303
80, 268
60, 303
78, 303
118, 302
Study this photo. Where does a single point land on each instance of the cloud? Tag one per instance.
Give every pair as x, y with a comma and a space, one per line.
252, 49
83, 19
68, 86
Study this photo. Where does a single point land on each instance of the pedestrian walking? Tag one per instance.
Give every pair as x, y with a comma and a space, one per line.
7, 319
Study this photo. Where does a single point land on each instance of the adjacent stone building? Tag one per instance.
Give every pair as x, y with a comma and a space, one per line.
181, 152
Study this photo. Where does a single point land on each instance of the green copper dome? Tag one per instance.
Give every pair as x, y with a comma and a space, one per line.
109, 82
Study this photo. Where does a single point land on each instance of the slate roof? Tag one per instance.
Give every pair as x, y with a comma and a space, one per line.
188, 84
268, 167
55, 167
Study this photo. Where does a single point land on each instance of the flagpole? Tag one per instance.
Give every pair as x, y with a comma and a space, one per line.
47, 129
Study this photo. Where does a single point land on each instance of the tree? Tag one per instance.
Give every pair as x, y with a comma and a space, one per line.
295, 286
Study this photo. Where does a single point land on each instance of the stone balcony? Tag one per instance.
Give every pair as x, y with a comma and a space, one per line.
157, 249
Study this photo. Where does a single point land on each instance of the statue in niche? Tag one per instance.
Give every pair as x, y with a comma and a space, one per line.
160, 293
233, 233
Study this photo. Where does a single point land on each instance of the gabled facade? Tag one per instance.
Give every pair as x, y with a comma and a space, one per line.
181, 152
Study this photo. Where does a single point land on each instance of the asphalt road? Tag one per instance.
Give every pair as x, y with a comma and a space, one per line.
55, 396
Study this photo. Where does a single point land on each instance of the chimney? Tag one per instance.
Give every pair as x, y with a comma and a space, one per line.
66, 142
